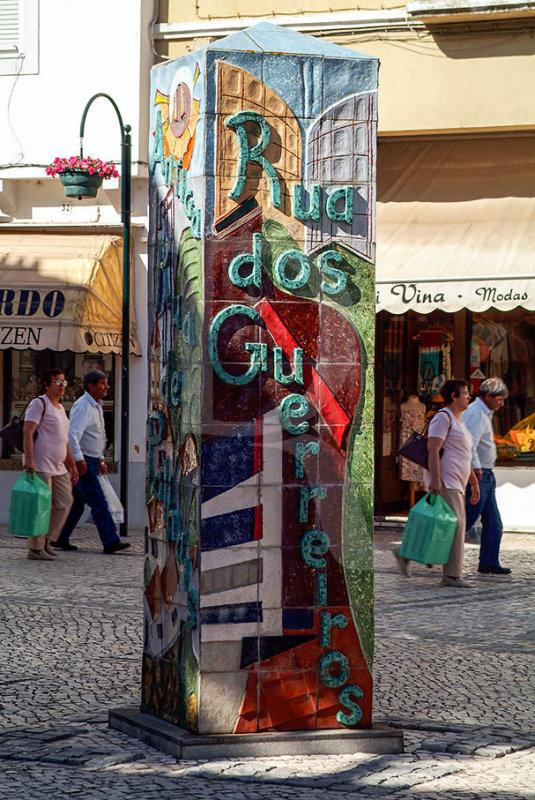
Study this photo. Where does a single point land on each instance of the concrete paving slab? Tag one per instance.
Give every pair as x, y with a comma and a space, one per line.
453, 670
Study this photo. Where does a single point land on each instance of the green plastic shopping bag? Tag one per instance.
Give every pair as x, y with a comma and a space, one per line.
29, 510
429, 532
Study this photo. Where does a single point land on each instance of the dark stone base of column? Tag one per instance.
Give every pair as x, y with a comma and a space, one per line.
379, 739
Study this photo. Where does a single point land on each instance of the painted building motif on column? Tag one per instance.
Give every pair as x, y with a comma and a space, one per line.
258, 570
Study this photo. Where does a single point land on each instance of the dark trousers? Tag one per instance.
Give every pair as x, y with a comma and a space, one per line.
88, 490
491, 521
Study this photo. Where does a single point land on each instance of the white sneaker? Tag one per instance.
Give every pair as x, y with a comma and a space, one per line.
457, 583
39, 555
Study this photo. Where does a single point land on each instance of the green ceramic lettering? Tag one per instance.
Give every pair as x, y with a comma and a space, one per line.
157, 486
177, 310
301, 279
313, 545
301, 449
191, 620
175, 395
247, 153
189, 334
167, 486
326, 676
173, 526
296, 376
158, 151
169, 170
254, 276
298, 211
259, 354
181, 549
293, 405
321, 589
150, 465
305, 496
345, 698
156, 428
213, 333
339, 277
182, 183
327, 622
346, 215
196, 220
189, 203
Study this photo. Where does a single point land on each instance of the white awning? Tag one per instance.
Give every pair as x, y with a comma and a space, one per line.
63, 292
456, 226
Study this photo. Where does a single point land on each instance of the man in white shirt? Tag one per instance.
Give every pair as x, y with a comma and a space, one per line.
478, 420
87, 439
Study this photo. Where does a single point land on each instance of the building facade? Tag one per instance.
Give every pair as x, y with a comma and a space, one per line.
455, 207
61, 258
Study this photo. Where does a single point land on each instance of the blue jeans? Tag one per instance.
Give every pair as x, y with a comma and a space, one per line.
491, 522
88, 490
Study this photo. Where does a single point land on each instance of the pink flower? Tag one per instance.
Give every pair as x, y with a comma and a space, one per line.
76, 163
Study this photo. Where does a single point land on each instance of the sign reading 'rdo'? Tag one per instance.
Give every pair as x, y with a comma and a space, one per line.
258, 572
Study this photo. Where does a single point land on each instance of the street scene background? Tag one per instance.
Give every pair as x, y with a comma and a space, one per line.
452, 670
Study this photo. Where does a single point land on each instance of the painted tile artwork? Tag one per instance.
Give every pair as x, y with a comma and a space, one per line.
258, 604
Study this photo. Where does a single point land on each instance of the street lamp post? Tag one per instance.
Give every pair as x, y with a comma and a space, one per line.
126, 179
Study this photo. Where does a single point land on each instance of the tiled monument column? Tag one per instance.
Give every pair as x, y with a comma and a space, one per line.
258, 571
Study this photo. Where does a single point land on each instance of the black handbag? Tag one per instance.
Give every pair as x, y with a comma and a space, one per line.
12, 432
415, 448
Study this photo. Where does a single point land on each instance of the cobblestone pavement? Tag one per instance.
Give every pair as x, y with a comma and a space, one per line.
452, 670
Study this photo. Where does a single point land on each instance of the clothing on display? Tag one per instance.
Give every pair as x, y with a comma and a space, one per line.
412, 419
393, 351
434, 363
507, 350
389, 427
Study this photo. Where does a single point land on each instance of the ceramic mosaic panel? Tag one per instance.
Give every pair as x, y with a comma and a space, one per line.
258, 567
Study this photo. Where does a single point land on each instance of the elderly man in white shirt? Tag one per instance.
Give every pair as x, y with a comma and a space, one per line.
87, 439
478, 420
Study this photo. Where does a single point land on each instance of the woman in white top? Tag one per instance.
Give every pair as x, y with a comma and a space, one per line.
450, 472
50, 457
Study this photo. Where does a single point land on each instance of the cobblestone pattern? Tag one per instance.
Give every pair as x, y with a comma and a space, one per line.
452, 670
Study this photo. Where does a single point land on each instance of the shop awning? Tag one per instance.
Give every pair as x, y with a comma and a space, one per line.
63, 292
456, 226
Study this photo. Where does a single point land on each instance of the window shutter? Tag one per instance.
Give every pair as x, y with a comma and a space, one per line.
9, 26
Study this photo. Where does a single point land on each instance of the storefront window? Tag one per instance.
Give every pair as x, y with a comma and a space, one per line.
503, 346
22, 379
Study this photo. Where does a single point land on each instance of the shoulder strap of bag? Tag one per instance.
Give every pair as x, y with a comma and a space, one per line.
449, 421
42, 399
426, 424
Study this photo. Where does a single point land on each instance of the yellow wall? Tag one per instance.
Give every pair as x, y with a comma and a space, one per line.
453, 80
175, 10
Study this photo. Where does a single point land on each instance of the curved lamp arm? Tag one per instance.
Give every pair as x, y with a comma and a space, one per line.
125, 129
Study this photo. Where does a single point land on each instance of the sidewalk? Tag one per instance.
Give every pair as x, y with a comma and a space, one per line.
452, 669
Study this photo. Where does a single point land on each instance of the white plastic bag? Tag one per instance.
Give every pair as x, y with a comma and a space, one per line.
114, 504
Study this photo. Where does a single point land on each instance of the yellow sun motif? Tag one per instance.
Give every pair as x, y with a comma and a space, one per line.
180, 113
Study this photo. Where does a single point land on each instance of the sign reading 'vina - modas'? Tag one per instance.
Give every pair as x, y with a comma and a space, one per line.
258, 572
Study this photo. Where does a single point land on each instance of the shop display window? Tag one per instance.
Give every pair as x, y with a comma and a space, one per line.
503, 345
22, 381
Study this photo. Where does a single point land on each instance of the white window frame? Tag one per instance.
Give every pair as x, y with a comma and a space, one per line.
23, 59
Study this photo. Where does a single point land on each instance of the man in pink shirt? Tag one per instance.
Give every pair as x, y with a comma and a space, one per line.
50, 457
